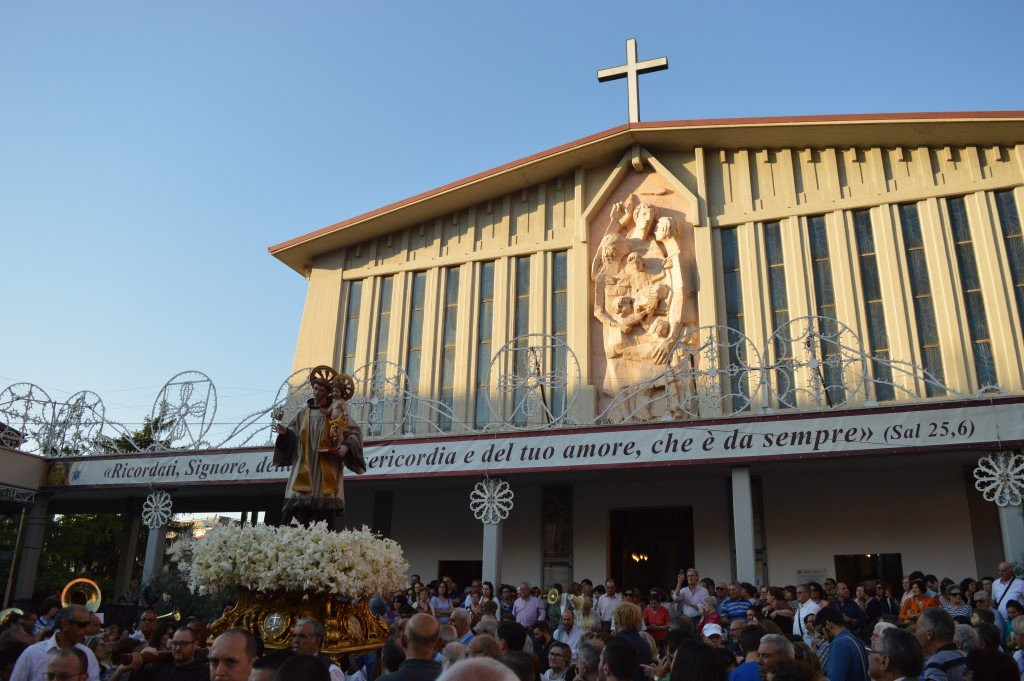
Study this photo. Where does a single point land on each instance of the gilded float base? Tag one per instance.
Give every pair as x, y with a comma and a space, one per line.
350, 627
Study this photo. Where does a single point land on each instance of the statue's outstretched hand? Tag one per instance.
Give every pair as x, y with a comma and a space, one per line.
618, 211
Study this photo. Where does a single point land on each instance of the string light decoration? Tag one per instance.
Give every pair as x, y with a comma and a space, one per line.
491, 500
156, 510
532, 382
1000, 478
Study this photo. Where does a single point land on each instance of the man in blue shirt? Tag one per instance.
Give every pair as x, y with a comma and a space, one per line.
847, 659
852, 614
734, 608
943, 660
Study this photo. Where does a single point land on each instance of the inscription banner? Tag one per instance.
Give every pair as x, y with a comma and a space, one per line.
819, 434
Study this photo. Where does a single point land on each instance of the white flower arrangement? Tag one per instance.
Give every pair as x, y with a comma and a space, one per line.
354, 563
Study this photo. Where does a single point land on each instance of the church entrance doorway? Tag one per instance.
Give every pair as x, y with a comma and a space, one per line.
649, 546
860, 567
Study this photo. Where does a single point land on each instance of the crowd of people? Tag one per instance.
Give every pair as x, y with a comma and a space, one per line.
696, 630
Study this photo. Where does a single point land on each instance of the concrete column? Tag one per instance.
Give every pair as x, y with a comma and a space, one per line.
128, 547
32, 544
155, 544
743, 524
492, 554
1011, 527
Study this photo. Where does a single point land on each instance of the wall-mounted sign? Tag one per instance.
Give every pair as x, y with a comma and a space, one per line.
820, 434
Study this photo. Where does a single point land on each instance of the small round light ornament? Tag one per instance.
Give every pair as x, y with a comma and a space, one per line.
1000, 478
491, 500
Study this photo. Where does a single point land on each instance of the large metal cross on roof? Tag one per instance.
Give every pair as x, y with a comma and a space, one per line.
630, 71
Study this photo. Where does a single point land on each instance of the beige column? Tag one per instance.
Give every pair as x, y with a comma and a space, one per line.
1011, 527
942, 274
318, 341
578, 304
845, 277
155, 549
743, 524
752, 277
997, 288
491, 568
897, 299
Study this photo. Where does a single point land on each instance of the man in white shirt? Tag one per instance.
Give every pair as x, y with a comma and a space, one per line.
690, 597
805, 607
1007, 588
569, 633
69, 632
607, 604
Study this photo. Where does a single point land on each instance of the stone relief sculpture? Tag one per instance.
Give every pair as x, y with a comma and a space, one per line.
645, 301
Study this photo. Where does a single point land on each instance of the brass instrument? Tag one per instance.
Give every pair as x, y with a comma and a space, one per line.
553, 596
172, 615
156, 656
7, 615
83, 592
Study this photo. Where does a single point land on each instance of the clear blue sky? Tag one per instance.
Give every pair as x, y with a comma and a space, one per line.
150, 152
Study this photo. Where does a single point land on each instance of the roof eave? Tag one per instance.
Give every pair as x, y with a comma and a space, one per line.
864, 129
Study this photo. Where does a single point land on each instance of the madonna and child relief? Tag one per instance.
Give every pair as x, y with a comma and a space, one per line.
644, 293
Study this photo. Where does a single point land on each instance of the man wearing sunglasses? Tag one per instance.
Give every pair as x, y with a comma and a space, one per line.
69, 628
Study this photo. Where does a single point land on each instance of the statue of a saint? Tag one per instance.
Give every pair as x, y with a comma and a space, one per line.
316, 444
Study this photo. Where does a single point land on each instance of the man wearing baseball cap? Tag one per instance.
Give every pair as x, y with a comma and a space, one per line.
712, 634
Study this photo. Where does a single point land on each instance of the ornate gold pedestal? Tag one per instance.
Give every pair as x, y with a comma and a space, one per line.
350, 627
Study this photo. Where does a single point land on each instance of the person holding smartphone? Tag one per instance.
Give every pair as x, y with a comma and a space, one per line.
691, 595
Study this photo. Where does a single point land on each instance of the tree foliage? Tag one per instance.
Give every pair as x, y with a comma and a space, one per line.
144, 438
80, 545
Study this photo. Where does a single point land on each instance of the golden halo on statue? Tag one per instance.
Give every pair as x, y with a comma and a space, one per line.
326, 373
323, 373
348, 386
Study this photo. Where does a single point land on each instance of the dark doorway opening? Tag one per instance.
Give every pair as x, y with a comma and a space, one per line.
649, 546
858, 567
463, 572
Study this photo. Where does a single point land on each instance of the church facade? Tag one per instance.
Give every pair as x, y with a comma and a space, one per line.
770, 348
